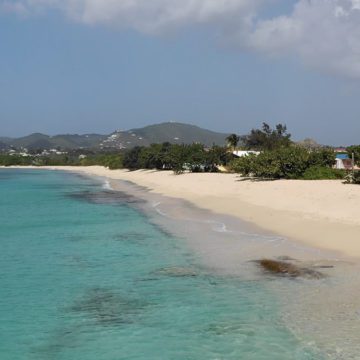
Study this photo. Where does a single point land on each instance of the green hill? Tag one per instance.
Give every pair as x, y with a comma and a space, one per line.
78, 141
166, 132
3, 146
33, 141
42, 141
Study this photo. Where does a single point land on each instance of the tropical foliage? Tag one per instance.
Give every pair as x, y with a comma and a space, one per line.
166, 156
112, 161
233, 140
288, 162
353, 177
354, 149
323, 173
267, 138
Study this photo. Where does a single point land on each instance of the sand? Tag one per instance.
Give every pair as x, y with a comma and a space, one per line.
322, 214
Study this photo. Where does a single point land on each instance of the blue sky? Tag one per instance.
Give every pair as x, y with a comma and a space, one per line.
63, 72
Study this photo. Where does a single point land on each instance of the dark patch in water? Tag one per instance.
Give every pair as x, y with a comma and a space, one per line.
131, 237
228, 328
9, 173
324, 266
4, 176
288, 269
147, 279
163, 231
108, 308
176, 271
107, 197
98, 307
77, 262
285, 258
60, 340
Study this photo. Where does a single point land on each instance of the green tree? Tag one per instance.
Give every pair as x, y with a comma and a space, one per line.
195, 157
132, 158
289, 163
233, 140
177, 158
322, 157
216, 156
267, 138
354, 149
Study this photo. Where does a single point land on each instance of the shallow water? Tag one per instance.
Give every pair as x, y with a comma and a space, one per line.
85, 275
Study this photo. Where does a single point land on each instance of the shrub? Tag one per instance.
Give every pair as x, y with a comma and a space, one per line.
353, 178
244, 165
287, 163
112, 161
323, 173
322, 157
267, 138
11, 160
354, 149
132, 158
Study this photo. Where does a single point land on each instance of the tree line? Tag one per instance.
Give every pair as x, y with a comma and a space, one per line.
112, 161
279, 157
179, 158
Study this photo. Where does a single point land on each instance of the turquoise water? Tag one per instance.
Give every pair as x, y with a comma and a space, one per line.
85, 276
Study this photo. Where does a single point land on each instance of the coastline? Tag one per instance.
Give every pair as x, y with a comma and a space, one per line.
319, 214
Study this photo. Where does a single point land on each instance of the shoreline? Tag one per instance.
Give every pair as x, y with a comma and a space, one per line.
319, 214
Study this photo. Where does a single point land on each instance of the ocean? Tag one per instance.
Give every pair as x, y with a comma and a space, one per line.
86, 275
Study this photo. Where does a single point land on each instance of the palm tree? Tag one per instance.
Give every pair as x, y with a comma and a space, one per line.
233, 140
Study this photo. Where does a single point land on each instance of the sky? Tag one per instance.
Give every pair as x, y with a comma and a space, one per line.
95, 66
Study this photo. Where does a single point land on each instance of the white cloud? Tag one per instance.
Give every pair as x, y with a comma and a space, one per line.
149, 16
322, 33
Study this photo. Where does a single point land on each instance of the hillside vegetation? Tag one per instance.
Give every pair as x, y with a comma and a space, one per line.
175, 133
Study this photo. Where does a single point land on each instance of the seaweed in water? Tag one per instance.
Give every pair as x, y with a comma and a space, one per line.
134, 237
105, 197
176, 271
229, 328
108, 308
288, 269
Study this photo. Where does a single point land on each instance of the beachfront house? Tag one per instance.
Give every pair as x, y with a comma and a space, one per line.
242, 153
343, 161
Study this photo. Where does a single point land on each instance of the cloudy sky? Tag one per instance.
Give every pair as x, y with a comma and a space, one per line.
75, 66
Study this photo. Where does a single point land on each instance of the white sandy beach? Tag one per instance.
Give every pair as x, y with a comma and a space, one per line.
322, 214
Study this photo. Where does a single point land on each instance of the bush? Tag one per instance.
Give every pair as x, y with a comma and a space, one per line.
323, 173
176, 157
14, 160
354, 149
284, 163
112, 161
323, 157
132, 158
353, 178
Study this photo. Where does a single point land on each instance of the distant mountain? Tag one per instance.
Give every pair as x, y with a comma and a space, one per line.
172, 132
166, 132
42, 141
3, 146
78, 141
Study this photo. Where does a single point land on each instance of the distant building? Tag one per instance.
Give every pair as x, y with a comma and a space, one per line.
340, 150
343, 162
242, 153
